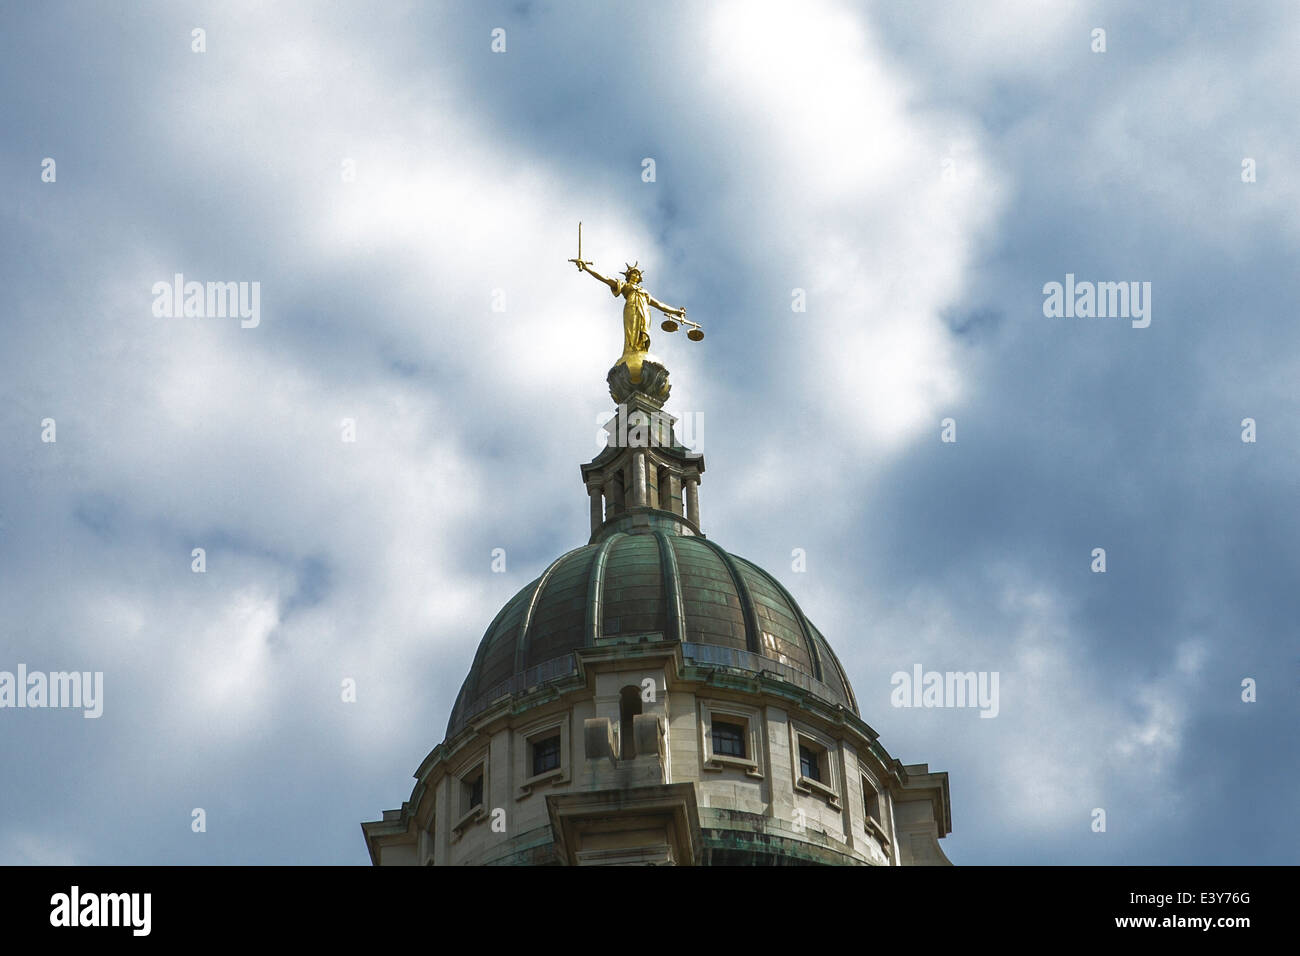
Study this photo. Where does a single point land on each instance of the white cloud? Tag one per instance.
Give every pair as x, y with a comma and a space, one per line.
842, 176
1065, 739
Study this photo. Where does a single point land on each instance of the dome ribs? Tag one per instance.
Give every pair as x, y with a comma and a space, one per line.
672, 589
521, 641
595, 613
709, 598
753, 638
651, 583
796, 615
558, 620
473, 683
634, 597
839, 668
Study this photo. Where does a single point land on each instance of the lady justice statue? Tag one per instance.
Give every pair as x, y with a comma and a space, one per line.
636, 312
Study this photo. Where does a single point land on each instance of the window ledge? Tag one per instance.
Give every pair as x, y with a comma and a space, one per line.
472, 815
550, 776
808, 784
874, 829
718, 763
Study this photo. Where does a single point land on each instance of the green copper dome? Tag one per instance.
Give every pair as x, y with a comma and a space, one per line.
653, 581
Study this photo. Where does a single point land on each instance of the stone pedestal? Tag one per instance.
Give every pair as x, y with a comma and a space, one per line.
653, 383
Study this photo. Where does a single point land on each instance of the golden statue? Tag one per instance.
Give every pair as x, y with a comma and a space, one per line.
636, 312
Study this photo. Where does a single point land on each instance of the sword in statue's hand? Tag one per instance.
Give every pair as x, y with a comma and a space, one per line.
580, 262
638, 299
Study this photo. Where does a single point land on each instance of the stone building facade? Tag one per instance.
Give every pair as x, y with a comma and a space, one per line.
653, 699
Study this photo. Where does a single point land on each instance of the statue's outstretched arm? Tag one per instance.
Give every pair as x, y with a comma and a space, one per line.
613, 286
667, 309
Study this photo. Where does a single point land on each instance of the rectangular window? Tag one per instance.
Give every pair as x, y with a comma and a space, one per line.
810, 763
731, 738
870, 801
473, 791
728, 739
817, 770
541, 755
546, 755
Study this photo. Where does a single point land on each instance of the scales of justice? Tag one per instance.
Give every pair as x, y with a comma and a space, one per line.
636, 357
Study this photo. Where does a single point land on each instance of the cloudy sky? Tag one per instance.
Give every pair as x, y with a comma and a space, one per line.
919, 170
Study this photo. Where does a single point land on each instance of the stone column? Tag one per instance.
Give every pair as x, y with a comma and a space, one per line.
638, 479
597, 510
652, 484
693, 500
674, 494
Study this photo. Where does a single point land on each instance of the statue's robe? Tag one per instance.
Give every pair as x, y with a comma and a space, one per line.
636, 325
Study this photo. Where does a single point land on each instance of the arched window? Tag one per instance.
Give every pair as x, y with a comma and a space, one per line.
629, 705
